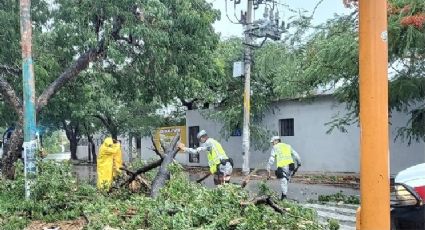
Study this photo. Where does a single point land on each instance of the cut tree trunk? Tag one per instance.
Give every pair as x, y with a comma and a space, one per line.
163, 174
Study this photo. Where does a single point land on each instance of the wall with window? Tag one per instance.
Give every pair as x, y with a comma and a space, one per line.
302, 124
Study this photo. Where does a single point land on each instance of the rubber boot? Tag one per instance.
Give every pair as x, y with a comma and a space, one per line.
283, 197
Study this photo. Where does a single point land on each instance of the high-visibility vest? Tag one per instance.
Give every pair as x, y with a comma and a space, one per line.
215, 155
283, 154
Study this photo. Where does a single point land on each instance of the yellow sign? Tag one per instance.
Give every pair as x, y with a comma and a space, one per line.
166, 134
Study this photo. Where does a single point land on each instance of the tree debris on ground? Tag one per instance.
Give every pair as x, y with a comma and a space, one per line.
179, 204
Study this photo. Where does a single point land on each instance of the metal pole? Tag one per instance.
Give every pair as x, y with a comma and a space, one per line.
374, 163
30, 141
247, 90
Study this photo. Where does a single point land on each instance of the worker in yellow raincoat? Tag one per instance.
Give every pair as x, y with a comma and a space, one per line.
109, 162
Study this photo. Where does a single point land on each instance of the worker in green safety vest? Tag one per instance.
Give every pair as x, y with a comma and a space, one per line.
221, 166
286, 158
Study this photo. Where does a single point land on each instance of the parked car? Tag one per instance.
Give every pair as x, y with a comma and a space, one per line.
408, 198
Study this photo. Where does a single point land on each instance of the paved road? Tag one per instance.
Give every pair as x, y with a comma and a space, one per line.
297, 191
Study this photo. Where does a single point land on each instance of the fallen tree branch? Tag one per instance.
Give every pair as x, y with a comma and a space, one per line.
86, 218
128, 171
155, 149
144, 169
163, 173
246, 179
264, 200
203, 178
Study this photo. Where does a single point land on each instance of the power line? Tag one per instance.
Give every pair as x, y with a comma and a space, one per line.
227, 15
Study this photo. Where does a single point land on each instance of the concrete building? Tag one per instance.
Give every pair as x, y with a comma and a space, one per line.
302, 124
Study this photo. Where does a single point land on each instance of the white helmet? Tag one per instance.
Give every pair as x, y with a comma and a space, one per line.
274, 138
201, 133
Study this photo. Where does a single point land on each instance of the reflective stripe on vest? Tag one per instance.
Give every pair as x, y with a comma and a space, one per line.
216, 154
283, 155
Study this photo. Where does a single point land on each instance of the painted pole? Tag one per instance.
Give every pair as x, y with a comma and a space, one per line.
247, 91
374, 162
30, 141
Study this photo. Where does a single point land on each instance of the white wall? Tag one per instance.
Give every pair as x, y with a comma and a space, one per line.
320, 152
402, 154
334, 152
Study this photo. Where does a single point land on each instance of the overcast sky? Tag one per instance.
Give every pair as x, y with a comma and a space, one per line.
326, 10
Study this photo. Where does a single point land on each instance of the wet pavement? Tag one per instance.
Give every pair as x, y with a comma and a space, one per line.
297, 191
86, 173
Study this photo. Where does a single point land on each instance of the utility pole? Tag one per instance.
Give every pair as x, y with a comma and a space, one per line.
30, 141
247, 89
374, 162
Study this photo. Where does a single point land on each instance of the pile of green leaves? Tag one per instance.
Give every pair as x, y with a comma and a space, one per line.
339, 197
182, 204
56, 195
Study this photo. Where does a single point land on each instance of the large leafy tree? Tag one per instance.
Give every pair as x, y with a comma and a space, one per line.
98, 35
69, 110
331, 56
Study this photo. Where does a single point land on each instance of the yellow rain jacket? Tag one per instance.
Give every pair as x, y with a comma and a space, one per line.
109, 161
117, 157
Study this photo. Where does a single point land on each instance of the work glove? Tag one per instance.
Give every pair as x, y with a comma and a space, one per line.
199, 149
295, 170
181, 146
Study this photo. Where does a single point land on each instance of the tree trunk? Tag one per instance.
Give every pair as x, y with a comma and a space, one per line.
13, 151
88, 152
72, 131
73, 145
163, 174
41, 141
93, 152
114, 134
92, 149
109, 125
130, 148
